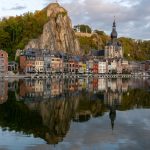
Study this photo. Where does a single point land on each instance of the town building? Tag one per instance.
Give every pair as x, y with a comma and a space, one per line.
47, 61
125, 67
3, 63
13, 66
65, 59
27, 62
135, 67
39, 62
89, 66
95, 67
102, 66
56, 64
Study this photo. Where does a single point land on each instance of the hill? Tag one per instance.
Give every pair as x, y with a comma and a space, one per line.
133, 49
49, 28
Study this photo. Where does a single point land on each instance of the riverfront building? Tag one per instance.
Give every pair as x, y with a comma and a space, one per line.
3, 63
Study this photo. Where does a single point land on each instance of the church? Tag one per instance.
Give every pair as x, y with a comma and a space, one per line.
113, 48
114, 54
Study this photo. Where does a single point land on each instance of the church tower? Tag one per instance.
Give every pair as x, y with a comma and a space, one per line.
114, 32
113, 49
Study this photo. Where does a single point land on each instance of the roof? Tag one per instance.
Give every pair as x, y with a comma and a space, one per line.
114, 43
97, 52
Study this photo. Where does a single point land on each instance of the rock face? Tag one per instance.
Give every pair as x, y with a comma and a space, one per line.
58, 34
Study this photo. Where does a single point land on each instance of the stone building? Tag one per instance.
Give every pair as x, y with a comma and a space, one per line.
12, 66
102, 67
3, 63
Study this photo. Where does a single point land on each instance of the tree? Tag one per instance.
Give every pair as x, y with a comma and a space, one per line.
83, 28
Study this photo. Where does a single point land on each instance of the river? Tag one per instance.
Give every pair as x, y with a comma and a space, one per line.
75, 114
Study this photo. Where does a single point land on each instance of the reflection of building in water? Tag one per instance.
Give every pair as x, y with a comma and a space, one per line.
56, 87
113, 94
3, 91
112, 115
32, 89
82, 84
101, 84
114, 91
50, 88
82, 116
12, 85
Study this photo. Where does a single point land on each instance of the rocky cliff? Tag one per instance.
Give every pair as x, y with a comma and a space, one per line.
58, 34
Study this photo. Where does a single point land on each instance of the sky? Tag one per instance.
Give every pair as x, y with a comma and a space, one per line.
132, 16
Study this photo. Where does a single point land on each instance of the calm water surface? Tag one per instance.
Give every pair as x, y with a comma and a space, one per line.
75, 114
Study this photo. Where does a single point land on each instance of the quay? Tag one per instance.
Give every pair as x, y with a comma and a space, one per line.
67, 76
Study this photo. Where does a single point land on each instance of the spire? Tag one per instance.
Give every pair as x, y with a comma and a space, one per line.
114, 23
114, 32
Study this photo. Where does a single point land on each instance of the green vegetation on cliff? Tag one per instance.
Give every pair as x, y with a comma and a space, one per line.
133, 49
83, 28
16, 32
97, 40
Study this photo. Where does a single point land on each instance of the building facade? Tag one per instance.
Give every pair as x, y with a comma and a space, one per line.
102, 67
3, 63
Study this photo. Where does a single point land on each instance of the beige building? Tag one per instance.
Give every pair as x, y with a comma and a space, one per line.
39, 65
56, 64
102, 67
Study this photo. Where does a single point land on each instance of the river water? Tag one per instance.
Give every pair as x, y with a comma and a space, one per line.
75, 114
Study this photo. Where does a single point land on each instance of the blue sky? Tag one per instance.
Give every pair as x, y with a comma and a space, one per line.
133, 16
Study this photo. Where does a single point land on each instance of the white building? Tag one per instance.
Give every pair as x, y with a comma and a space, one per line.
102, 67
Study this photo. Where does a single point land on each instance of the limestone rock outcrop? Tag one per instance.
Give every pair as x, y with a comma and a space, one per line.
58, 34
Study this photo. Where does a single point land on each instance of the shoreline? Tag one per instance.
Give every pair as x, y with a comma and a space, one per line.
41, 76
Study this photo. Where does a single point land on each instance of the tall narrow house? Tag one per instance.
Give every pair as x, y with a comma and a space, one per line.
3, 63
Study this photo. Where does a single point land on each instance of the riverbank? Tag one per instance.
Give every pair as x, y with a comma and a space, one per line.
43, 76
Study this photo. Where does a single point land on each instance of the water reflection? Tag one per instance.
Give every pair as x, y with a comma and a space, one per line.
3, 91
46, 108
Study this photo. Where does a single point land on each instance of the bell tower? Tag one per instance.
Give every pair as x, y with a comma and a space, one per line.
113, 49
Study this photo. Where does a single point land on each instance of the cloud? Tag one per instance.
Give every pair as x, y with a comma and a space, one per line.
17, 7
132, 16
131, 131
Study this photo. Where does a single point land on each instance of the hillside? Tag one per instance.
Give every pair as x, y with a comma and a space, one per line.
16, 32
49, 28
92, 41
133, 49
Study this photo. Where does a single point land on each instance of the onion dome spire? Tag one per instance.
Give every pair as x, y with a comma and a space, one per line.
114, 32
